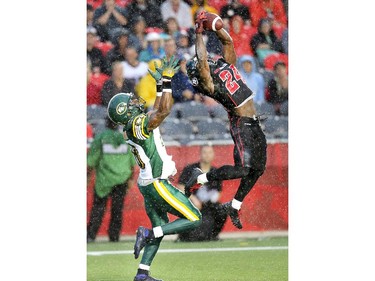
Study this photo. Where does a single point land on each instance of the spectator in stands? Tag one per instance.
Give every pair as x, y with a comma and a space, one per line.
92, 88
233, 8
146, 86
98, 61
272, 9
172, 28
133, 68
170, 48
146, 9
241, 34
179, 10
277, 89
116, 84
120, 40
199, 5
206, 199
184, 44
90, 23
137, 37
90, 16
265, 42
111, 159
182, 89
247, 67
110, 16
154, 48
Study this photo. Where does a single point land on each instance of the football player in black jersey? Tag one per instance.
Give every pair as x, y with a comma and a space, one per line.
221, 80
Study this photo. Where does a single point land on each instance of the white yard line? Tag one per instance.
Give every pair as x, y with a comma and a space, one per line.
270, 248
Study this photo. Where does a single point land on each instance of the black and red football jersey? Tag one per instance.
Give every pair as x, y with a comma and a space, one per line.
229, 88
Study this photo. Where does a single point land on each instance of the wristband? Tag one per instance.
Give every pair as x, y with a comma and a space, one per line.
167, 85
159, 88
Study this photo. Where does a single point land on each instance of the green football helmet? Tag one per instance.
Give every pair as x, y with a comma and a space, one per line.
123, 107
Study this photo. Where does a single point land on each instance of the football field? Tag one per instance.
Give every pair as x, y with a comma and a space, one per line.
252, 259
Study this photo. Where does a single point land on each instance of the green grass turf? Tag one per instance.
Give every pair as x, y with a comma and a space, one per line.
269, 265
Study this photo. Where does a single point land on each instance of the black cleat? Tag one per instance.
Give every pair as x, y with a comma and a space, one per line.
233, 214
192, 184
140, 241
144, 277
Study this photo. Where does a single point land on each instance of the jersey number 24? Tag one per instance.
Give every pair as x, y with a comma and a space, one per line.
227, 77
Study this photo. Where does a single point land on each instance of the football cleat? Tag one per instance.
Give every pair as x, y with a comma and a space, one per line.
144, 277
233, 214
192, 184
140, 241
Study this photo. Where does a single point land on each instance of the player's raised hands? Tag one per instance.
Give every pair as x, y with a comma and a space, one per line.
200, 18
157, 74
169, 68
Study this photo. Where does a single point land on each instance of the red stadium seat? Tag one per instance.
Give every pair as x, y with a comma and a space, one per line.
270, 60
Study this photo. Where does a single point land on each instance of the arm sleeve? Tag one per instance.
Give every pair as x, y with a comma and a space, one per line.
139, 127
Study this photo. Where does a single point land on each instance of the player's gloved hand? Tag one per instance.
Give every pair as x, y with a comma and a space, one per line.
157, 74
201, 17
169, 68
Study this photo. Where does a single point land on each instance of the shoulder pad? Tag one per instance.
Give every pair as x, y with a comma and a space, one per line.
139, 127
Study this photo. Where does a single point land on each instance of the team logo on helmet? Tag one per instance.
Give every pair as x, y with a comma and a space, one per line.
121, 108
194, 81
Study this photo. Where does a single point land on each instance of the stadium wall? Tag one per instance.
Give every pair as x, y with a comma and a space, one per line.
266, 208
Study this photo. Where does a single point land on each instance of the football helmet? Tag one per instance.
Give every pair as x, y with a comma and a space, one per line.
192, 70
123, 107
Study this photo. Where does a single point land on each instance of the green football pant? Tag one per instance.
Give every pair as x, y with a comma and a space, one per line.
161, 198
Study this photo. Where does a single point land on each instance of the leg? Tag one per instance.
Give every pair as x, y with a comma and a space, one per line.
162, 197
202, 232
96, 216
118, 195
250, 151
255, 152
176, 203
247, 183
157, 218
225, 172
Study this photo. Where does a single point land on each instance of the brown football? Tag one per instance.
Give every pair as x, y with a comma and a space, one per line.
213, 22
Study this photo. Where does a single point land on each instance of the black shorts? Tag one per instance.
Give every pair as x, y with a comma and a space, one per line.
250, 145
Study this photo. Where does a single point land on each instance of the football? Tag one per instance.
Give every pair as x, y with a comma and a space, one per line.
213, 22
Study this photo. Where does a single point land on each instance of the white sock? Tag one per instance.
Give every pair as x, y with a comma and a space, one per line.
202, 179
158, 232
236, 204
144, 267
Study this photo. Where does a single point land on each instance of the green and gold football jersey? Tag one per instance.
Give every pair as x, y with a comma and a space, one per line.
149, 151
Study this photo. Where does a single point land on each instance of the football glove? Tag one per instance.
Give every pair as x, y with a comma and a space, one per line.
157, 74
169, 68
201, 17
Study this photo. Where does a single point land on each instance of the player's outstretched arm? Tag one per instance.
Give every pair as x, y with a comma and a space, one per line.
228, 47
163, 105
201, 53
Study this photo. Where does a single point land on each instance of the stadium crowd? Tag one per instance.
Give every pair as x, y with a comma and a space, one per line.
126, 37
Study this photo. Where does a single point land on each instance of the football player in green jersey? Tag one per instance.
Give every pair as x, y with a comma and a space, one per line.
156, 166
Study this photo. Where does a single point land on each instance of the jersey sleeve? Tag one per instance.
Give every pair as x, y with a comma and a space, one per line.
139, 127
